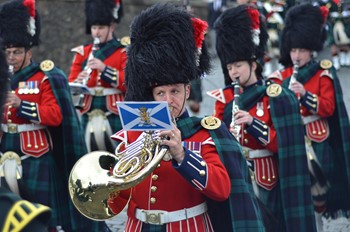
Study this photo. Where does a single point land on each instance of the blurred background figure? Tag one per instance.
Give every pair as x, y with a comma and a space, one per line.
98, 68
215, 8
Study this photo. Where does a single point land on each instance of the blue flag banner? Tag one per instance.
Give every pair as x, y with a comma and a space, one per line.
142, 116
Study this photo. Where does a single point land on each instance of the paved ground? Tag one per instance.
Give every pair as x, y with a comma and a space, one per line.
215, 80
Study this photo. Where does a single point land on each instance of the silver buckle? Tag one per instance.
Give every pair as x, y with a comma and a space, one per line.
153, 218
12, 128
98, 91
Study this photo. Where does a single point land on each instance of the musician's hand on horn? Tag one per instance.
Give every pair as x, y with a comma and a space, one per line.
174, 143
298, 88
97, 64
243, 117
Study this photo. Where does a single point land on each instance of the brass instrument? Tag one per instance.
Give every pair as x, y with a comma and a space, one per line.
91, 186
80, 102
293, 78
235, 108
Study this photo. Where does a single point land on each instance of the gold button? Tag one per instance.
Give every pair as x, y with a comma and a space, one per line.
269, 180
153, 189
315, 99
263, 177
203, 163
245, 140
245, 132
34, 114
313, 132
42, 144
9, 121
114, 78
36, 146
265, 133
153, 200
202, 173
29, 145
155, 177
319, 133
33, 108
32, 104
314, 106
265, 126
9, 113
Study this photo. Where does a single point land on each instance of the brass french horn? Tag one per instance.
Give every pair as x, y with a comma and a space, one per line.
92, 185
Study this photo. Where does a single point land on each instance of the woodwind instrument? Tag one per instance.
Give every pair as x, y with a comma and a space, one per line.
293, 78
235, 108
80, 102
91, 56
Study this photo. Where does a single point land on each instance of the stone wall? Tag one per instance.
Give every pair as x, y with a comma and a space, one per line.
63, 26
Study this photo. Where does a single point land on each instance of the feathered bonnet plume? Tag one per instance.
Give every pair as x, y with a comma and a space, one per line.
167, 47
19, 24
102, 12
241, 35
304, 28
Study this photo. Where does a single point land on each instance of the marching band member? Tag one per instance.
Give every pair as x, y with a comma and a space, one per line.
321, 107
166, 52
265, 119
41, 138
100, 67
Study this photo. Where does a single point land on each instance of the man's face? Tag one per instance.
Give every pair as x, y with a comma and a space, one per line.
175, 95
18, 57
300, 54
103, 32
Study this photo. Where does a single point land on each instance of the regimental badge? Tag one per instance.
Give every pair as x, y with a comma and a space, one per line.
125, 40
47, 65
326, 64
211, 123
274, 90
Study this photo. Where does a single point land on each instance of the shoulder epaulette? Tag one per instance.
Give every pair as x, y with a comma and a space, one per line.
79, 50
217, 94
326, 73
276, 74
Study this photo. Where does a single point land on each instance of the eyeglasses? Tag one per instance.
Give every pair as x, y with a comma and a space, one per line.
15, 53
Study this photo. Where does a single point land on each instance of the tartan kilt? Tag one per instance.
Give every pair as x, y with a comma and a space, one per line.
41, 180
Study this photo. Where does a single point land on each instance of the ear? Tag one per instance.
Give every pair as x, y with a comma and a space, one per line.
187, 90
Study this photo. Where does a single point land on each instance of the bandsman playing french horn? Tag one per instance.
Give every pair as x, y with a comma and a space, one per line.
322, 109
99, 67
271, 131
190, 190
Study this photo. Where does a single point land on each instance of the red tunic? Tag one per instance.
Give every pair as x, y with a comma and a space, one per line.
115, 68
174, 187
318, 101
38, 107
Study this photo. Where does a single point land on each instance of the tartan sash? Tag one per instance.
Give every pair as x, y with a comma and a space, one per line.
105, 51
241, 211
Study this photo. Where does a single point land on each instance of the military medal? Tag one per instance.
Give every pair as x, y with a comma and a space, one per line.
31, 87
25, 88
21, 86
36, 89
260, 109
